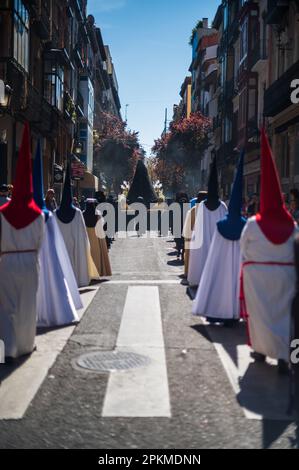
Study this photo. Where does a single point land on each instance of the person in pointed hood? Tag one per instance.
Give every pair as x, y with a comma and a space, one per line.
67, 211
141, 186
189, 227
72, 226
268, 273
209, 212
22, 231
217, 296
57, 295
97, 238
213, 201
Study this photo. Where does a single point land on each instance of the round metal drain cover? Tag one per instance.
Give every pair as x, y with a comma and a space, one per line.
105, 361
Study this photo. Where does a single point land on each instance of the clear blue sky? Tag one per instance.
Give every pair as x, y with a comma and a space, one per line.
151, 54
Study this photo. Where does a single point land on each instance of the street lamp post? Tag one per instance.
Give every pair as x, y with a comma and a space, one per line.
5, 98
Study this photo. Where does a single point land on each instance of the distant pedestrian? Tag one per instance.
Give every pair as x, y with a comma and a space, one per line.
50, 200
4, 194
10, 190
76, 202
294, 204
82, 203
181, 199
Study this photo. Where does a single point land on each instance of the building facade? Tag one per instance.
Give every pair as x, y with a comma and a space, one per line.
52, 59
246, 85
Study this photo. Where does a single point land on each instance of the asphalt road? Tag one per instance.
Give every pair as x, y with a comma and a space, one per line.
205, 413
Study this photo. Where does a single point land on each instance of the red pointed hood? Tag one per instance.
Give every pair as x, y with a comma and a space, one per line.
22, 210
273, 218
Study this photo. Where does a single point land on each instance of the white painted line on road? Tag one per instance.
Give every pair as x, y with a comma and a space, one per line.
19, 389
145, 281
141, 392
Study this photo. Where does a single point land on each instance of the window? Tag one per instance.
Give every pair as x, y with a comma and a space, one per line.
242, 108
264, 39
244, 40
225, 17
255, 34
53, 84
21, 34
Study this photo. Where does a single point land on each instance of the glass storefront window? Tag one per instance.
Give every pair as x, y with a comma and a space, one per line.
21, 34
54, 84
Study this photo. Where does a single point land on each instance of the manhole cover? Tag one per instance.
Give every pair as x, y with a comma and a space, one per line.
104, 361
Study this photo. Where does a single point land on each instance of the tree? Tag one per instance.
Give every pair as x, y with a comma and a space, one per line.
179, 151
116, 151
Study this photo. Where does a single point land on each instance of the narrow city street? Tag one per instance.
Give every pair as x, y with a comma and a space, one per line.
187, 384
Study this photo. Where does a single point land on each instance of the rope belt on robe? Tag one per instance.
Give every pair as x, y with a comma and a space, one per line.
18, 251
243, 308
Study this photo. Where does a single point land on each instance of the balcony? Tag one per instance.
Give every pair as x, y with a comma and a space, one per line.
276, 10
59, 56
15, 77
278, 95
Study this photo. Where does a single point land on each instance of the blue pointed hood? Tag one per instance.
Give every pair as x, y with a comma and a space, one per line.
38, 183
232, 225
66, 211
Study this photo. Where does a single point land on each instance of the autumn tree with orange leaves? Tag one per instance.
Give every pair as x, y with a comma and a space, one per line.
178, 152
116, 151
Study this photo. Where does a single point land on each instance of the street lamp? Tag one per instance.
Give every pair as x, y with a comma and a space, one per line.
5, 98
78, 147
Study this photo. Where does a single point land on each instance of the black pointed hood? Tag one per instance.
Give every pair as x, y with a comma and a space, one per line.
66, 211
89, 214
213, 201
141, 186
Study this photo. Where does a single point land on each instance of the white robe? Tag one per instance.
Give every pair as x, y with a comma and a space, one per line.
66, 265
269, 291
78, 247
205, 225
55, 305
19, 277
218, 291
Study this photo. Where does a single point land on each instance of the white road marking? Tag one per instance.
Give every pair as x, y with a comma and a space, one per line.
141, 392
19, 389
145, 281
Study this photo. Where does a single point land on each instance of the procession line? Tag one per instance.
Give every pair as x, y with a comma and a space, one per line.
144, 391
19, 389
